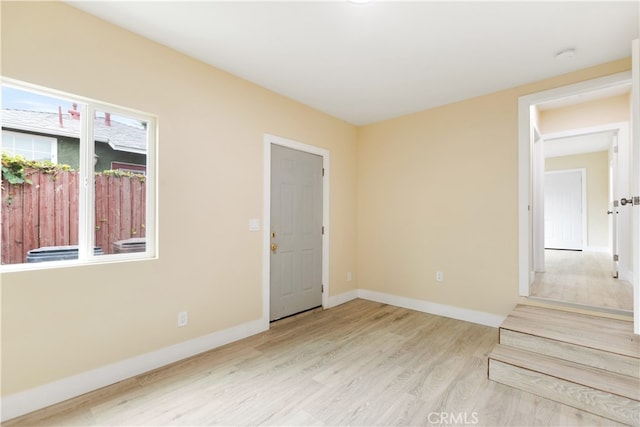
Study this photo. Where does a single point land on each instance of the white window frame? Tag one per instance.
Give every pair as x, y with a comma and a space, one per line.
12, 135
86, 196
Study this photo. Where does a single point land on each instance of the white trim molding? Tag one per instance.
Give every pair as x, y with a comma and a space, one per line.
465, 314
342, 298
600, 249
21, 403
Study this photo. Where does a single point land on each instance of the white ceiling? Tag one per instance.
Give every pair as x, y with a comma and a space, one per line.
369, 62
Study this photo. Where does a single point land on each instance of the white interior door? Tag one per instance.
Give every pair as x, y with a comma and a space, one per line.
563, 210
296, 231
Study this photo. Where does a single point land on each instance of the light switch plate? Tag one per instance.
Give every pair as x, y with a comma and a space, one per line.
183, 318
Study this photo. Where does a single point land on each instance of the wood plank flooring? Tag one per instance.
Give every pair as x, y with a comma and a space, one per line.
582, 277
361, 363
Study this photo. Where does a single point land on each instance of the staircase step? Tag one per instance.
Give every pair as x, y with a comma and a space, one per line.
599, 379
598, 333
596, 358
604, 393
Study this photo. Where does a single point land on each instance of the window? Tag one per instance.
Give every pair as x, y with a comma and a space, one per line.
96, 202
31, 147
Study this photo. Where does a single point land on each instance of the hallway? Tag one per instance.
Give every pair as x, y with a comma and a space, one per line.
582, 277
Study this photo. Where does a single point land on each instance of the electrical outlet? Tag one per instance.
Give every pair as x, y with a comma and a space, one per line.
183, 318
349, 276
439, 276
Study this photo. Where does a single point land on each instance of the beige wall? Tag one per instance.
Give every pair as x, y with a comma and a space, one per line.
436, 190
598, 112
56, 323
597, 167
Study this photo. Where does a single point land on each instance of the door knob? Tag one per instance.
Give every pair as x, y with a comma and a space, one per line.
274, 247
624, 201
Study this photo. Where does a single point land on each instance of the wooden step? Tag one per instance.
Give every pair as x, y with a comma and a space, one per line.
596, 358
599, 379
608, 394
585, 361
593, 332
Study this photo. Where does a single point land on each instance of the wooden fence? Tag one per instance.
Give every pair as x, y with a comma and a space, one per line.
45, 213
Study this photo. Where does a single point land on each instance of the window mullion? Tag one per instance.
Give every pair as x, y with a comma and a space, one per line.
86, 184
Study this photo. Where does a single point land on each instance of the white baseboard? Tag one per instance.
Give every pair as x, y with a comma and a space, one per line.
604, 249
467, 315
336, 300
625, 274
58, 391
49, 394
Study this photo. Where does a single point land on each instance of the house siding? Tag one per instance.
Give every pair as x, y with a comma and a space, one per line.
68, 152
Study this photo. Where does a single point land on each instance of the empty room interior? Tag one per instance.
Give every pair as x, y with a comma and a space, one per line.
320, 213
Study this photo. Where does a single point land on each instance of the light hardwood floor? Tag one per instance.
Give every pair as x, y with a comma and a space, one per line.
582, 277
361, 363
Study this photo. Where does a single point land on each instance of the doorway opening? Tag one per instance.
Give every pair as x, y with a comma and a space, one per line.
579, 181
583, 277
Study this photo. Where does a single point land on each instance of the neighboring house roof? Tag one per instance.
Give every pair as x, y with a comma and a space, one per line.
119, 136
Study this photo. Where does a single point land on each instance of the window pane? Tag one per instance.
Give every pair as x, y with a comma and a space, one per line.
39, 203
121, 185
30, 146
26, 153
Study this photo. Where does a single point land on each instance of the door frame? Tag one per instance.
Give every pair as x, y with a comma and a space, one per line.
635, 186
583, 203
538, 164
526, 106
270, 140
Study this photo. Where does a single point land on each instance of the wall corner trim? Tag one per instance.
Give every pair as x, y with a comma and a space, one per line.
22, 403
